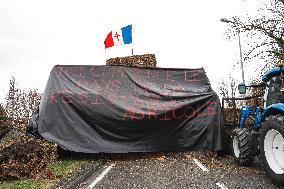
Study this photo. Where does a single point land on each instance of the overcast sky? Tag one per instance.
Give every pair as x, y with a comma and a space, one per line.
35, 35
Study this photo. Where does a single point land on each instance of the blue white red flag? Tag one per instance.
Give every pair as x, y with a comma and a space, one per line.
119, 37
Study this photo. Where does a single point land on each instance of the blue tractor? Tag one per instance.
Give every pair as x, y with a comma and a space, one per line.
265, 137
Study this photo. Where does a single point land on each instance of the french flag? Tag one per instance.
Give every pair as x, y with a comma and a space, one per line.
119, 37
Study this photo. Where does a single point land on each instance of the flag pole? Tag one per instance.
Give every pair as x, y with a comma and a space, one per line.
132, 38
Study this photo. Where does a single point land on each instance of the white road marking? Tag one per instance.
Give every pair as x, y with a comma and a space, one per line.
100, 177
200, 165
221, 185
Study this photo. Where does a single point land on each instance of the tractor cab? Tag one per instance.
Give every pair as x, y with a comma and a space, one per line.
274, 82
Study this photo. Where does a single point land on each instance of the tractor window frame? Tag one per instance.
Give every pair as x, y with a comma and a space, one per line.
274, 94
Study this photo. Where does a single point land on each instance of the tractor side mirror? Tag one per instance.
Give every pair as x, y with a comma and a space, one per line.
242, 88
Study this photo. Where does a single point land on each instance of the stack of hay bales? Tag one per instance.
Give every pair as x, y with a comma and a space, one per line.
257, 91
146, 60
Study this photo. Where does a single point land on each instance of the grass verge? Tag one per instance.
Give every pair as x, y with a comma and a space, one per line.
60, 168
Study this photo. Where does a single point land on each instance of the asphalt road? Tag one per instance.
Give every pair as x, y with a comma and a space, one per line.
176, 170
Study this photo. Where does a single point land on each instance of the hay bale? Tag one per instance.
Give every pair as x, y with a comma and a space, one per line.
146, 60
258, 90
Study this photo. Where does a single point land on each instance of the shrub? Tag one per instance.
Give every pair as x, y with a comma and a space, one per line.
22, 156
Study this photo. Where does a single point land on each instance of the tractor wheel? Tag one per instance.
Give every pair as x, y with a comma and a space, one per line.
242, 146
271, 143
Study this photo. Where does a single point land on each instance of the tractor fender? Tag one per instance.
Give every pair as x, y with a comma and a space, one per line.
273, 109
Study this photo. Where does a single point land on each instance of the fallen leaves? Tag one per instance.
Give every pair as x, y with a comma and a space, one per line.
26, 157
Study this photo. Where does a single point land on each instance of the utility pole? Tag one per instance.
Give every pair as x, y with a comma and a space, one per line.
240, 47
241, 56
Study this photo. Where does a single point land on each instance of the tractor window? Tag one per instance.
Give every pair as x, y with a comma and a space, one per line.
274, 94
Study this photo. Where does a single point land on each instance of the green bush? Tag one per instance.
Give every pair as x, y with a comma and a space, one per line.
5, 127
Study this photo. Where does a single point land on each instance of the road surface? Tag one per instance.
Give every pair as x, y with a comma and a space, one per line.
176, 170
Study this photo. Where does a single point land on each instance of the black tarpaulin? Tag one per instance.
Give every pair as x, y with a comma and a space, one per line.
119, 109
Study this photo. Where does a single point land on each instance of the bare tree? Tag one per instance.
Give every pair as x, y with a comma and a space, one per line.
4, 124
265, 34
20, 104
227, 88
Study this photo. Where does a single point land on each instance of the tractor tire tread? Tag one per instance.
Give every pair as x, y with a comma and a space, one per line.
246, 156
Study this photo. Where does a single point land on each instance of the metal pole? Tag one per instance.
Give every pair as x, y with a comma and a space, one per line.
132, 51
241, 56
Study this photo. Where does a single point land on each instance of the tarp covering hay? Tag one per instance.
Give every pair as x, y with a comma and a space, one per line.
118, 109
